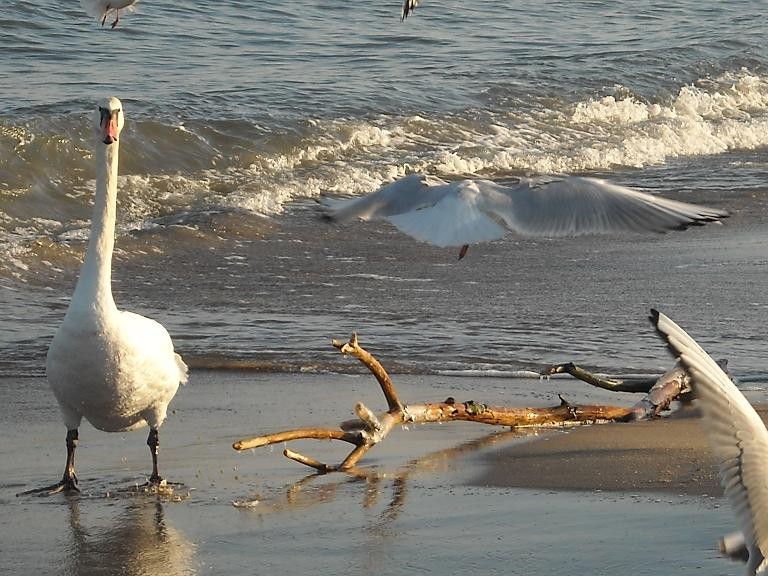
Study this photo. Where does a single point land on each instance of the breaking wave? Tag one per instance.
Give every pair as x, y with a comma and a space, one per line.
184, 173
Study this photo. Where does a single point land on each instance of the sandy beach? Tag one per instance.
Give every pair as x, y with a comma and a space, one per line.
449, 498
669, 455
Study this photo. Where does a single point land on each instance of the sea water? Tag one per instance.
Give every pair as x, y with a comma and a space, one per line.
239, 116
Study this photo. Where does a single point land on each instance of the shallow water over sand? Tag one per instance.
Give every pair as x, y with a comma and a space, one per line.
418, 512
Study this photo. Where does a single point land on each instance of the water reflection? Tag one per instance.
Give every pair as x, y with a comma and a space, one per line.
318, 489
139, 541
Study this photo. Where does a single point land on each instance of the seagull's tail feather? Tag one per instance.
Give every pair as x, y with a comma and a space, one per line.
99, 8
95, 8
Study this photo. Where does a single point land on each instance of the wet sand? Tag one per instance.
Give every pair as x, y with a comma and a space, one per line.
448, 499
669, 455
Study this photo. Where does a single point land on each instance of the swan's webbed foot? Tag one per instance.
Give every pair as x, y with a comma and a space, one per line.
156, 484
67, 484
156, 480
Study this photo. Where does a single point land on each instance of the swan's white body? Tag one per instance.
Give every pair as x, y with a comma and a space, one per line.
738, 438
101, 8
116, 369
470, 211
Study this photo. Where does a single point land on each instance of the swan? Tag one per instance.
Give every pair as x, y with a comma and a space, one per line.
115, 368
101, 8
737, 435
468, 211
408, 7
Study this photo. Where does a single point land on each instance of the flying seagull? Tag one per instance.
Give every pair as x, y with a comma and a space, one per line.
408, 7
465, 212
101, 8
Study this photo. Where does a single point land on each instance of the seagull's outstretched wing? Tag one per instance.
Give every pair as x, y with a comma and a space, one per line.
737, 436
426, 208
408, 7
469, 211
578, 205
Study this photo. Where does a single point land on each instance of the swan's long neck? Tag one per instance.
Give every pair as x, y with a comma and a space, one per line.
94, 288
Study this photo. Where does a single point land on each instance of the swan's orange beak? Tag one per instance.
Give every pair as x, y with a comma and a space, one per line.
109, 125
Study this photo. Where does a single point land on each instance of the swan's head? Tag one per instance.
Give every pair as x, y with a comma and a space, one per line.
111, 119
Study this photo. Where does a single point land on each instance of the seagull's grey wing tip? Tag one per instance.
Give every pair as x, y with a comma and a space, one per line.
328, 208
653, 317
713, 215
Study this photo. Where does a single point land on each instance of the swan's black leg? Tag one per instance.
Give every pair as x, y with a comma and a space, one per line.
68, 482
69, 479
117, 19
106, 11
153, 442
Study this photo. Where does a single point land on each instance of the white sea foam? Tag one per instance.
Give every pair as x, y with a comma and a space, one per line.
596, 134
352, 156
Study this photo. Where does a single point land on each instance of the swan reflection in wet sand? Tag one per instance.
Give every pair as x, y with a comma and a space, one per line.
139, 540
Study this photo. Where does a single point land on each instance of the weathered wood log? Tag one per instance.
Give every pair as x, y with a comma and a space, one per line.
369, 429
628, 385
671, 386
675, 384
565, 414
660, 392
638, 384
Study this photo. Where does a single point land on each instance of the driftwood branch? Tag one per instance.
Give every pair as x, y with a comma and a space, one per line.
614, 384
352, 348
674, 384
660, 392
629, 385
369, 429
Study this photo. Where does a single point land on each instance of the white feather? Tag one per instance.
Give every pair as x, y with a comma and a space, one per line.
738, 438
469, 211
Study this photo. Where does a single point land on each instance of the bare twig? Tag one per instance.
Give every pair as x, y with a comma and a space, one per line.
352, 348
288, 435
634, 385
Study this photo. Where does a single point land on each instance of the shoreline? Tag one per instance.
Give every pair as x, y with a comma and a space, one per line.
418, 491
